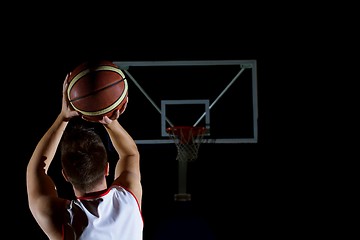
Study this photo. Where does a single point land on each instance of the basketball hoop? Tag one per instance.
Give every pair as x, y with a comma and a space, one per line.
187, 140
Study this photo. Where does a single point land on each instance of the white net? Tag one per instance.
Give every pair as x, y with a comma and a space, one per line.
187, 140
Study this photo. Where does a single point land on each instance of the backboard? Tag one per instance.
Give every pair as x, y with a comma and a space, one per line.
220, 95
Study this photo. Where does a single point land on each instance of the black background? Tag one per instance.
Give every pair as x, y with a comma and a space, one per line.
242, 190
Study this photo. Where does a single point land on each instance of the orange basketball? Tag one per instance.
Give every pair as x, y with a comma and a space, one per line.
97, 89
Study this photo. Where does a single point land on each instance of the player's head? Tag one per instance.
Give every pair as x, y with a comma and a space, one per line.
83, 157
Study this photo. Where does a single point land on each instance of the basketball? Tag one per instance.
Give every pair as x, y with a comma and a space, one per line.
97, 89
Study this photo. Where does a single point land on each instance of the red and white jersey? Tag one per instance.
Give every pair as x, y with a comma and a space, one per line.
114, 214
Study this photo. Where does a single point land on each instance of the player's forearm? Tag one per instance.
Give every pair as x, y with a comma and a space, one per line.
129, 156
48, 144
121, 140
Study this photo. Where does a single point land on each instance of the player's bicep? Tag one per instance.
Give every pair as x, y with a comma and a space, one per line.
39, 184
129, 164
48, 212
127, 173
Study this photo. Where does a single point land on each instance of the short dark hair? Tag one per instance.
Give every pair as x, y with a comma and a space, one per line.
83, 156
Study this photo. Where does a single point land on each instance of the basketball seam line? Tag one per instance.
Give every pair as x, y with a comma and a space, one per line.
109, 108
75, 99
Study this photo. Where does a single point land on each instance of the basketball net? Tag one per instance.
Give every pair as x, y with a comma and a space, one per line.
187, 140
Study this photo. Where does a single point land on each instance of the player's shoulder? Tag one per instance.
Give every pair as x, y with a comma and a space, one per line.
124, 192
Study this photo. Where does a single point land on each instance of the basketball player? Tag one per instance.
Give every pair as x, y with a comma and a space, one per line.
97, 211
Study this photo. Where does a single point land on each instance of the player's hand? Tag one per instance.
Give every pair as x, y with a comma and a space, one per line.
107, 120
67, 111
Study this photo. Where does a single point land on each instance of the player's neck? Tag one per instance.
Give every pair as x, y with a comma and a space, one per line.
96, 191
